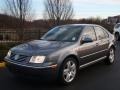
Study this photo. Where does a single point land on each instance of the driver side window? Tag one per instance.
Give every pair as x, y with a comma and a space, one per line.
90, 32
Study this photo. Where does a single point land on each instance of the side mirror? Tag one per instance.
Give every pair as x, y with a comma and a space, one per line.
86, 39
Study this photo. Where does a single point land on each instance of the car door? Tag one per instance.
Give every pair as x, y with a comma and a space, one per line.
102, 40
87, 51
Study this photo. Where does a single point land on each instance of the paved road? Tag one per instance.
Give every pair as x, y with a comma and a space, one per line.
96, 77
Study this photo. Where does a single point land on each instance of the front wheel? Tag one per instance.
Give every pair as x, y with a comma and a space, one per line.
68, 71
111, 57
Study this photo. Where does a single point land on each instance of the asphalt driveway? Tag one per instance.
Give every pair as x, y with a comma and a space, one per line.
95, 77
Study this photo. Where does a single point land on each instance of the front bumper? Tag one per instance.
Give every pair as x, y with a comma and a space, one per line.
49, 72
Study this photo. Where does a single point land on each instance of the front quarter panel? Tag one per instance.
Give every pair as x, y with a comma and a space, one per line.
70, 51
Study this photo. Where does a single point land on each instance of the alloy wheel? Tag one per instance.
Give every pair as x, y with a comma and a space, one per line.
69, 71
112, 55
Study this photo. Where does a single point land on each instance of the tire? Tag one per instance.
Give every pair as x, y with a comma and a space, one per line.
111, 56
68, 71
117, 37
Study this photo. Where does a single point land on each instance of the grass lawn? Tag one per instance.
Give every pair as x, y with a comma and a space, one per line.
2, 65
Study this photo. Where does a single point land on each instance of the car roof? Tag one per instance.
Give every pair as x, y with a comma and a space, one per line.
80, 25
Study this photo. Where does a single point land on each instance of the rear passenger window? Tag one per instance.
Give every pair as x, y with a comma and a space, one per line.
100, 33
106, 34
89, 31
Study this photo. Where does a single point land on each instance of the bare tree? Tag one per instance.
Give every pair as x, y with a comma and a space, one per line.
19, 9
57, 10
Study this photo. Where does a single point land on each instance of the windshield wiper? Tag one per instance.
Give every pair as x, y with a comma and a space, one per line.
42, 39
52, 40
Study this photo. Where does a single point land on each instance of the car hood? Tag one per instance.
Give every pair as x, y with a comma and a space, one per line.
39, 47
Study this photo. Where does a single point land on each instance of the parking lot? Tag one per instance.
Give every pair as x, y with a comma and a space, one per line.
95, 77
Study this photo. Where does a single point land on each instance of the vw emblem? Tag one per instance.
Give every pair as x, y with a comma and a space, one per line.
16, 57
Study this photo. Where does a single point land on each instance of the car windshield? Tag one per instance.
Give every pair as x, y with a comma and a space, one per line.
63, 33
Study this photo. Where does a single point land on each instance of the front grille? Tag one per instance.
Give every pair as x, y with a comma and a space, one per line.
19, 58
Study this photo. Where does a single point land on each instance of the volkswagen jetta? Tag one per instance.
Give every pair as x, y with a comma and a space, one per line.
61, 52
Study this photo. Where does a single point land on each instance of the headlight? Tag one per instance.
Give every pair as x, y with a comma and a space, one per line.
9, 53
37, 59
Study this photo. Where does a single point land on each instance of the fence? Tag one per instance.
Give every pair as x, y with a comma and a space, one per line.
9, 35
10, 38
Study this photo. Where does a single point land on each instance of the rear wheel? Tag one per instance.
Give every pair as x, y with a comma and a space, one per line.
68, 71
111, 57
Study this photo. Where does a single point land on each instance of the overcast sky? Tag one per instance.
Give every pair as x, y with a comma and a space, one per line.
83, 8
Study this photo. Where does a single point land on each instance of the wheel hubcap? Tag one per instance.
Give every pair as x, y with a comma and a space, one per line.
69, 71
111, 57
